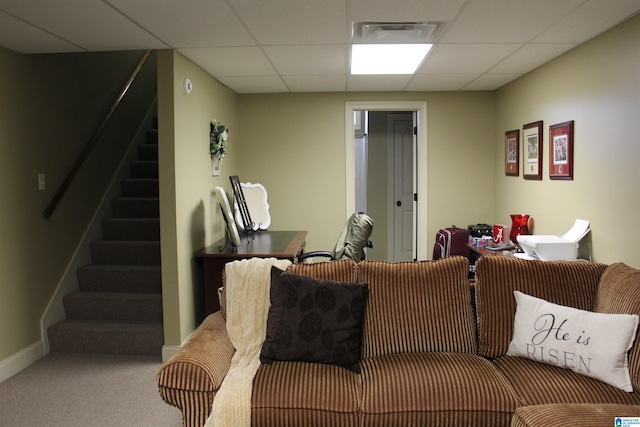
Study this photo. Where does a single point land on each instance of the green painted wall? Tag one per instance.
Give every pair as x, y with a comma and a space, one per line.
189, 214
294, 144
598, 86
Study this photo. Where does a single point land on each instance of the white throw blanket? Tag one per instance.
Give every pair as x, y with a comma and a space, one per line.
247, 287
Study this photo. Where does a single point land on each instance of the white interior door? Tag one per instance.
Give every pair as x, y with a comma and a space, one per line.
402, 187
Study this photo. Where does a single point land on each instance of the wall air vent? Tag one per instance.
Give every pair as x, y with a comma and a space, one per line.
397, 32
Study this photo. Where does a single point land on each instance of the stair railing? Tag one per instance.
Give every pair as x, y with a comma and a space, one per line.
94, 139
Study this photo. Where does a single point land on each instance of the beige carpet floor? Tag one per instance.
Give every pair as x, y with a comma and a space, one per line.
66, 389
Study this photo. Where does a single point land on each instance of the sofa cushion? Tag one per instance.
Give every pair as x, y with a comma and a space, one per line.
572, 415
568, 283
417, 307
314, 320
619, 292
343, 270
434, 389
302, 394
588, 343
538, 383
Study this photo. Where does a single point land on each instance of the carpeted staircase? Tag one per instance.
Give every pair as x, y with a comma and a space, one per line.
118, 308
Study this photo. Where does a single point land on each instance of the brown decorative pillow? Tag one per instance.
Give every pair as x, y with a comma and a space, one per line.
314, 320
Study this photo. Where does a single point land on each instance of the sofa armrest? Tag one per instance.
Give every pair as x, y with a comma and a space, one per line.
202, 361
190, 379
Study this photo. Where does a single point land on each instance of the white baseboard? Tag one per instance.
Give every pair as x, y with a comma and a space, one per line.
21, 360
168, 351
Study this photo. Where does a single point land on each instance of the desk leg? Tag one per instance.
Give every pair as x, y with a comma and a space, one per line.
213, 268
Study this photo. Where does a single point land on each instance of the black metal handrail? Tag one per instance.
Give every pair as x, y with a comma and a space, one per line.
94, 139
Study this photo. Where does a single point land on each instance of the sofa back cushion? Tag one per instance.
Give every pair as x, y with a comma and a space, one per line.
339, 271
417, 307
619, 292
567, 283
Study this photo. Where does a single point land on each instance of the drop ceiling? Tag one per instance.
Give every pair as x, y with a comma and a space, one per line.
261, 46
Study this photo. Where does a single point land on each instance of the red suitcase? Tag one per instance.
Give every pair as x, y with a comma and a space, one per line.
451, 241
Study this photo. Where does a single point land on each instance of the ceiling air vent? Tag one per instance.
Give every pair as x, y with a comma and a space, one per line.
397, 32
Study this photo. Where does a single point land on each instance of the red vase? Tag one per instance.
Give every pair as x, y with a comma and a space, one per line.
519, 225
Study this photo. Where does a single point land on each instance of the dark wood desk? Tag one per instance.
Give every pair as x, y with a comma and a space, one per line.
263, 244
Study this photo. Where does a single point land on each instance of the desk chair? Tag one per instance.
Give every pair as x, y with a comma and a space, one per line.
352, 241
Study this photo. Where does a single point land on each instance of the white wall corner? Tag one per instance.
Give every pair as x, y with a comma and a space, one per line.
168, 351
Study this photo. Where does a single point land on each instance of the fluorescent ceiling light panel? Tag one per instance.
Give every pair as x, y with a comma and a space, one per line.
388, 58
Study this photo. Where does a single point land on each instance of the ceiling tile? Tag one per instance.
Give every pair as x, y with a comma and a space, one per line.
439, 82
264, 84
194, 23
530, 56
231, 61
90, 24
308, 60
303, 45
369, 83
589, 20
274, 22
403, 10
466, 58
21, 37
495, 21
316, 83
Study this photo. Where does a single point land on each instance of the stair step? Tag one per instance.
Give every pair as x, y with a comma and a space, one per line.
114, 252
120, 278
144, 169
76, 336
152, 136
140, 187
148, 151
118, 308
114, 307
136, 207
131, 229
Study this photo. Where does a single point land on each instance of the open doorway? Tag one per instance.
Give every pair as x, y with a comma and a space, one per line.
386, 155
384, 144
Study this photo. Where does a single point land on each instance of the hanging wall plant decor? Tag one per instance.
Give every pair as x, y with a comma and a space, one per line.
217, 145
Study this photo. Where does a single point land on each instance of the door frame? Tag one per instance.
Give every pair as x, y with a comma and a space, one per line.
420, 107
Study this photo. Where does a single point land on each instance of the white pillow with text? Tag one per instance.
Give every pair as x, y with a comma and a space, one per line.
588, 343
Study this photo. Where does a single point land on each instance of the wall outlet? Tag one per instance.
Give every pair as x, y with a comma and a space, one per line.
41, 185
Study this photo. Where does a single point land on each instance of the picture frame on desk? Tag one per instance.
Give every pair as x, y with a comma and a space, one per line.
532, 151
561, 151
512, 152
231, 229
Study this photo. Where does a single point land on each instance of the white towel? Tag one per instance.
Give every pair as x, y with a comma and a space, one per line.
248, 284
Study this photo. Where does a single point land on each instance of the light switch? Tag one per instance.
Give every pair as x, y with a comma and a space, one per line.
40, 181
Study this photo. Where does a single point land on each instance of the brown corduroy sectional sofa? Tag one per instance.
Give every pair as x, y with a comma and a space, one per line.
434, 352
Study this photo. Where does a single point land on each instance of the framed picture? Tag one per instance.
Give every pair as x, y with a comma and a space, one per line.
532, 151
231, 230
512, 153
240, 204
561, 151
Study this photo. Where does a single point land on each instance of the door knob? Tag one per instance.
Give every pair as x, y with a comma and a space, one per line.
398, 203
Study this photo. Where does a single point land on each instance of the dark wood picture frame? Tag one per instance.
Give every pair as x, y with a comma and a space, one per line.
238, 195
532, 145
561, 151
512, 152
